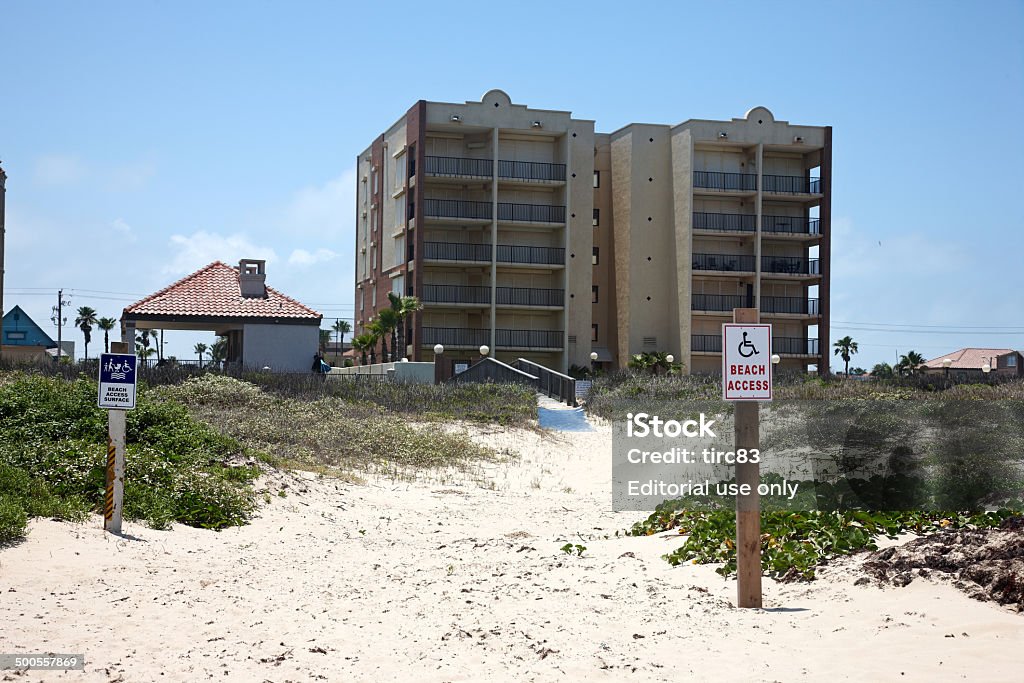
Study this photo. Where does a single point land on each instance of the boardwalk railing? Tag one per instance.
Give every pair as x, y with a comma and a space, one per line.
554, 384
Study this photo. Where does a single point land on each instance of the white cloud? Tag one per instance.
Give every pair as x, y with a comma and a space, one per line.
325, 211
301, 257
122, 228
201, 248
59, 170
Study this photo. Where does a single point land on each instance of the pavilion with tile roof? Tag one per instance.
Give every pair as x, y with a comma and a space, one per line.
264, 327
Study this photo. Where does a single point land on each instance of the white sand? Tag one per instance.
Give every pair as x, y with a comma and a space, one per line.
446, 582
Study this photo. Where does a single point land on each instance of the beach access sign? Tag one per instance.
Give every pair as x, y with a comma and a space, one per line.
746, 362
117, 380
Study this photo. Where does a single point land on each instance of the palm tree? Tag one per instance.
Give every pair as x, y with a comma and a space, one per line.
106, 324
142, 339
404, 306
363, 343
380, 334
342, 327
219, 350
200, 349
882, 371
845, 348
325, 339
85, 320
145, 353
388, 321
910, 362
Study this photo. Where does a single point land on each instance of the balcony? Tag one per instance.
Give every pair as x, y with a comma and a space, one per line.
531, 171
530, 213
770, 305
723, 262
789, 305
457, 167
456, 294
706, 343
530, 296
481, 295
794, 346
729, 222
790, 265
507, 253
725, 182
784, 346
455, 337
457, 209
791, 225
791, 184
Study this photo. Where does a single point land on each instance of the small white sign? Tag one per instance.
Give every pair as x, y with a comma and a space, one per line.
746, 362
117, 381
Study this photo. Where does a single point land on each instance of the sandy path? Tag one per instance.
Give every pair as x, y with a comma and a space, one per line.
436, 581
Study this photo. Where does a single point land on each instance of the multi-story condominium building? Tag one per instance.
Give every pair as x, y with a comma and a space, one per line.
523, 230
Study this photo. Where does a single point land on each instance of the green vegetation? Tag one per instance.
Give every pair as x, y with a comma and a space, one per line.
53, 451
794, 543
349, 430
845, 348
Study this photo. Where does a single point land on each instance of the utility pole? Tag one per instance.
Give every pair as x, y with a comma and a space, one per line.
59, 319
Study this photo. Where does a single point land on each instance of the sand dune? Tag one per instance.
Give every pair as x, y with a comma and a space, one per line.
464, 581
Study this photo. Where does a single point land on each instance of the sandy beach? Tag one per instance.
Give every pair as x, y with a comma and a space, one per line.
451, 580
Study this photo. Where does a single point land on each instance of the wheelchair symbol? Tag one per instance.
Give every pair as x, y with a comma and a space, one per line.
746, 344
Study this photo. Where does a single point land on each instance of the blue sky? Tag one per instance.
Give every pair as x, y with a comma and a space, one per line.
144, 140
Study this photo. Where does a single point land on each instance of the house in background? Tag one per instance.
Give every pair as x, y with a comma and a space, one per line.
263, 327
967, 364
25, 341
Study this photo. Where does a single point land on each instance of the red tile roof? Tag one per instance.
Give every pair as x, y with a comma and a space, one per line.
213, 292
968, 359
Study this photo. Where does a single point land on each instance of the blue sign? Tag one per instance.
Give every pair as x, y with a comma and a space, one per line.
118, 373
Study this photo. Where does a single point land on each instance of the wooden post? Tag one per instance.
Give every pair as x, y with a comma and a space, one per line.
113, 500
748, 507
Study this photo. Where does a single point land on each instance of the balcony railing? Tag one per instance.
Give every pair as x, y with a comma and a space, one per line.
529, 339
723, 262
719, 302
456, 251
531, 213
792, 265
455, 336
795, 225
530, 296
458, 166
715, 180
769, 304
531, 170
707, 343
507, 253
733, 222
791, 184
457, 208
506, 296
456, 294
794, 346
504, 338
790, 305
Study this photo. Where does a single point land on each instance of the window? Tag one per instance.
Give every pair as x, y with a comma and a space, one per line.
362, 300
594, 259
399, 255
597, 179
398, 285
373, 174
593, 291
400, 171
593, 332
597, 217
1011, 360
15, 335
400, 212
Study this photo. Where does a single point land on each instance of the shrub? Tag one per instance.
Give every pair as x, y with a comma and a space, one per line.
13, 519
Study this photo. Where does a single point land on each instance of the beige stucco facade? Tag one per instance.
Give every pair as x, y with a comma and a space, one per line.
524, 230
